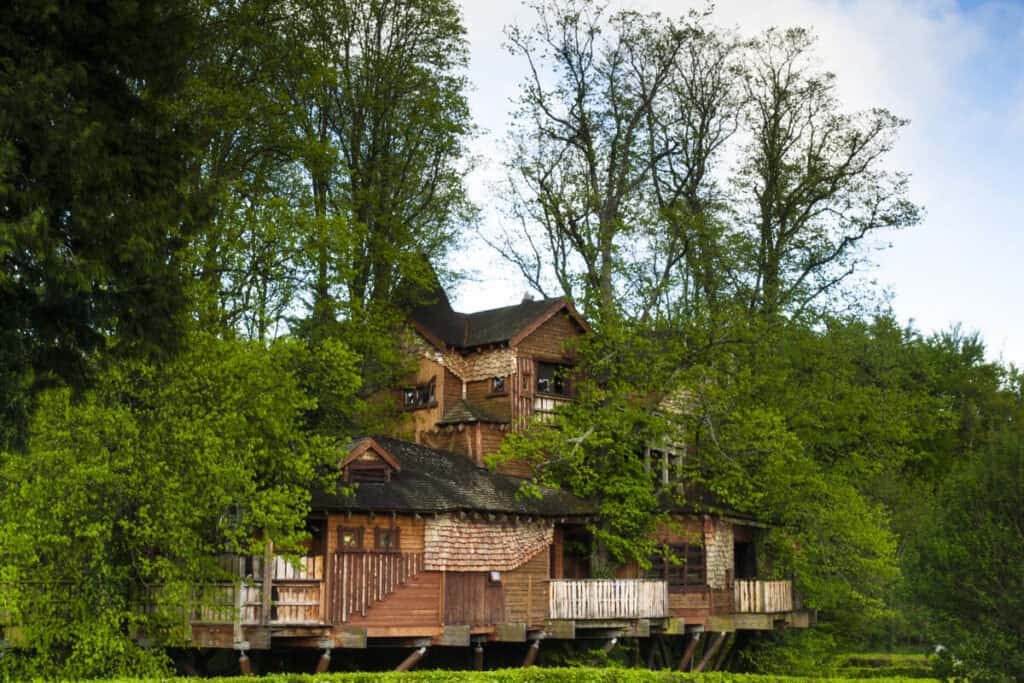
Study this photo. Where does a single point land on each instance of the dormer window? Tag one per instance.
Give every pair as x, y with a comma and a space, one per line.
420, 396
498, 385
552, 378
368, 462
368, 472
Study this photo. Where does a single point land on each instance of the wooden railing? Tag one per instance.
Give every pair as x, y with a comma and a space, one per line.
608, 599
545, 405
763, 597
362, 578
296, 592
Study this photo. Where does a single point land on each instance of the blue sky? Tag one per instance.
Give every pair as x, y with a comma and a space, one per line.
954, 68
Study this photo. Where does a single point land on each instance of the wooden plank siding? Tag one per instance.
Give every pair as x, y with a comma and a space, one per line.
526, 591
360, 580
548, 340
471, 599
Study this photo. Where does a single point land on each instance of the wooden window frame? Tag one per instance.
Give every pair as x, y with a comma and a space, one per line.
503, 391
356, 531
356, 468
422, 395
687, 576
558, 375
396, 535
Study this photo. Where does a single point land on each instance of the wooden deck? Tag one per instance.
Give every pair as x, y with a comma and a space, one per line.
604, 599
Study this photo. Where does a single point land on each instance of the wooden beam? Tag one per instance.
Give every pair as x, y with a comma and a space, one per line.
324, 663
730, 641
691, 648
478, 657
531, 654
717, 643
509, 633
268, 580
411, 661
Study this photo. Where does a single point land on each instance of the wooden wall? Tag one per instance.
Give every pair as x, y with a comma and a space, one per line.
526, 591
496, 405
411, 534
548, 340
469, 598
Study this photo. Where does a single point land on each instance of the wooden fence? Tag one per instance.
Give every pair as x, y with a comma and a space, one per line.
762, 597
608, 599
362, 578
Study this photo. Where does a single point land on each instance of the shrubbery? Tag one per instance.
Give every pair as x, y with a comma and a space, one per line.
535, 675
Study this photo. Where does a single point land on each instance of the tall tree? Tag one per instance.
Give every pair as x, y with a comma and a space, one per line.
91, 163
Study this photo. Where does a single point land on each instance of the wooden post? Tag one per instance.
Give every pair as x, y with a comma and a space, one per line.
478, 657
324, 663
710, 653
529, 600
691, 648
610, 645
730, 641
236, 630
531, 654
410, 661
268, 579
244, 665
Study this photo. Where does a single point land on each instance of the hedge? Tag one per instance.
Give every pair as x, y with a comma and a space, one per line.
531, 675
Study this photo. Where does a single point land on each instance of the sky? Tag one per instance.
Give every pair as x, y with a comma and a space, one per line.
954, 68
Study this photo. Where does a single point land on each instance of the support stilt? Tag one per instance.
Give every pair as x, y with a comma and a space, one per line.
730, 642
531, 654
324, 663
244, 665
410, 661
610, 645
719, 639
691, 648
478, 657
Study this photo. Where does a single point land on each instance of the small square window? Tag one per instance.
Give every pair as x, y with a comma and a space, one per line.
386, 540
350, 538
498, 385
420, 396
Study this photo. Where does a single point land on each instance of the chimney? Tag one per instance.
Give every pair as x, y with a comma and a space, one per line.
527, 297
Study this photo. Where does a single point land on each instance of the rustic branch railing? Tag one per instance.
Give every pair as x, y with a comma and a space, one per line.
608, 599
360, 579
763, 597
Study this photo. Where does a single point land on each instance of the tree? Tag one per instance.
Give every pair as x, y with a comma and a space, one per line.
91, 163
812, 177
128, 495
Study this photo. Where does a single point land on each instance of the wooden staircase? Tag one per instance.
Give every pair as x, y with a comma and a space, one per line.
359, 579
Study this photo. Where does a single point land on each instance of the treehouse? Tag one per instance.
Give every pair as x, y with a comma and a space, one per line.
434, 549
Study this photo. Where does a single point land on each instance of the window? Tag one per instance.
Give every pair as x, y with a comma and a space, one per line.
686, 572
552, 378
368, 472
386, 540
420, 396
498, 385
350, 538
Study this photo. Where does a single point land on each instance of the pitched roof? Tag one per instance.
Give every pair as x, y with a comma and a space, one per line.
439, 481
440, 323
464, 412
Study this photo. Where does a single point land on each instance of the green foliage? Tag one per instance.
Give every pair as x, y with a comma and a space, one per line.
969, 560
538, 675
91, 166
141, 483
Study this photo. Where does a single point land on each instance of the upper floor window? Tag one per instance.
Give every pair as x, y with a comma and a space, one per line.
420, 396
368, 472
498, 385
686, 571
350, 538
386, 539
552, 378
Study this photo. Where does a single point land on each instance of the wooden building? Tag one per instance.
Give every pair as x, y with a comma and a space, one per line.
434, 549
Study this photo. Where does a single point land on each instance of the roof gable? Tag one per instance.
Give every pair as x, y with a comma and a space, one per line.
368, 448
442, 326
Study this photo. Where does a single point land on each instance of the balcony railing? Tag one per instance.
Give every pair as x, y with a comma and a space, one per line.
608, 599
762, 597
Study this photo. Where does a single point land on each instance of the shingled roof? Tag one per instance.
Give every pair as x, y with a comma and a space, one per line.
438, 481
464, 412
442, 324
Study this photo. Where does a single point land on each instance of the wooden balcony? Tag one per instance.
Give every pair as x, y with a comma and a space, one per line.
608, 599
762, 597
296, 592
545, 405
